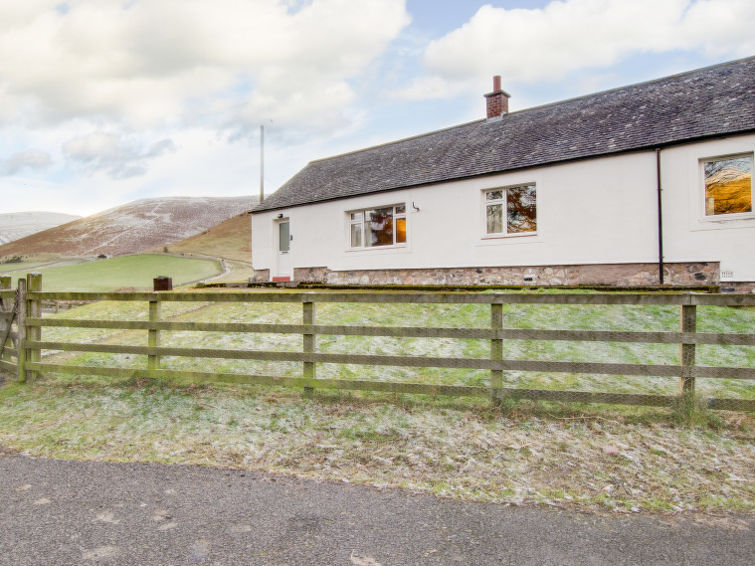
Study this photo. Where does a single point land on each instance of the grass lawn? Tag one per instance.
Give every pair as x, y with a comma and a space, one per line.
592, 457
25, 266
134, 271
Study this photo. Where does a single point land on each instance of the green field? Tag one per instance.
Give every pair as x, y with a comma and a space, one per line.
125, 272
23, 266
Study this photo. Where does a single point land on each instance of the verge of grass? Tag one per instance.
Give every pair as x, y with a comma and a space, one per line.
592, 458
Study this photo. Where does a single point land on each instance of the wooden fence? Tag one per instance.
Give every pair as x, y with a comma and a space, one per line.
23, 353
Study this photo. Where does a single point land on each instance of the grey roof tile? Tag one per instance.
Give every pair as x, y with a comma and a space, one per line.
709, 102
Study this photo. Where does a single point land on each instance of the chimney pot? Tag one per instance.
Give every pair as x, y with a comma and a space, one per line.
497, 102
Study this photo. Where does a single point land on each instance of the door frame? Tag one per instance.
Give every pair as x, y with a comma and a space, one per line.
283, 270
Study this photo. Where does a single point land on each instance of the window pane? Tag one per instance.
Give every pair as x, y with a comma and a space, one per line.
495, 219
379, 227
356, 216
400, 209
400, 230
284, 238
728, 186
494, 195
521, 211
356, 235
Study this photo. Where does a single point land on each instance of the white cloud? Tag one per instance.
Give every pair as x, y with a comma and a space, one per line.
31, 159
157, 62
80, 77
546, 44
119, 156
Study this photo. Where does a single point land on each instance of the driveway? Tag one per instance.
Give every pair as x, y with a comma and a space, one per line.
58, 513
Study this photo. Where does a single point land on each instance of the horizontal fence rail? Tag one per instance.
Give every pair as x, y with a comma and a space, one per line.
423, 297
410, 361
29, 346
413, 331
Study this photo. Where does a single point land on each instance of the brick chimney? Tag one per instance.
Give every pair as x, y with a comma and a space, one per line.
498, 100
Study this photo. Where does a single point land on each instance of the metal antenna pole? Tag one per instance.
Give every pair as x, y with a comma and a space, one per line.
262, 162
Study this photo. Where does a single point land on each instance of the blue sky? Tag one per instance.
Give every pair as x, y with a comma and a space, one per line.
107, 101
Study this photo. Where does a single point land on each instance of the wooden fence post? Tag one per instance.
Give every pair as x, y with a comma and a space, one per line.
5, 284
309, 339
496, 352
33, 333
21, 323
687, 351
153, 334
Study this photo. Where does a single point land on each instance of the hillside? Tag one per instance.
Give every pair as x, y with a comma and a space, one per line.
132, 228
230, 240
17, 225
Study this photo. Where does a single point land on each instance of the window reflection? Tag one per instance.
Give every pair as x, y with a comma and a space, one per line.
374, 227
728, 185
521, 215
400, 230
379, 227
520, 205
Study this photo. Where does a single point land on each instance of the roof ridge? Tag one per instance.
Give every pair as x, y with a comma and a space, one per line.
675, 76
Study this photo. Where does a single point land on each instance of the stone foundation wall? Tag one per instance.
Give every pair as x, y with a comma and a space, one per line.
737, 286
698, 274
260, 276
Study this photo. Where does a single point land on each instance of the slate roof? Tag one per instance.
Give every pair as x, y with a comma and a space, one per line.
710, 102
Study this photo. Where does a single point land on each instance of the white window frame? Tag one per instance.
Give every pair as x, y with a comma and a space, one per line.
361, 221
726, 217
503, 202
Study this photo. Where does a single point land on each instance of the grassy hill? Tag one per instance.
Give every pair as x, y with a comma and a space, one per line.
230, 240
132, 228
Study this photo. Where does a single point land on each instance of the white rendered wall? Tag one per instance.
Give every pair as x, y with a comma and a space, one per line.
688, 234
597, 211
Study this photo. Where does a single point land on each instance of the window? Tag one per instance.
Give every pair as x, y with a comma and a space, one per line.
512, 210
728, 185
384, 226
284, 237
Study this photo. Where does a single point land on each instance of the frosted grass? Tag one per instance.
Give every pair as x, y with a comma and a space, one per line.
554, 317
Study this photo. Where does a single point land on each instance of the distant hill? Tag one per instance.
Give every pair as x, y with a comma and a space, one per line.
17, 225
231, 239
132, 228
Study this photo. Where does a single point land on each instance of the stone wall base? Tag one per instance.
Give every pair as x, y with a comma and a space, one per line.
260, 276
696, 274
737, 286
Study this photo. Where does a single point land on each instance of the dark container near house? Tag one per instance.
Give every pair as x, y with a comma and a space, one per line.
163, 283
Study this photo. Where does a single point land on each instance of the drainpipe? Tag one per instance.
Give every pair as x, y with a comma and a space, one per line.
660, 213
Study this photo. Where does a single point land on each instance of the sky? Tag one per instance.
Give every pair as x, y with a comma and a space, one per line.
103, 102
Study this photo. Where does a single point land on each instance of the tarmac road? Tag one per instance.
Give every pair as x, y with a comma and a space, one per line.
57, 513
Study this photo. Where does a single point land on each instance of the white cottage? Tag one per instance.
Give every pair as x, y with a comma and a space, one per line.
641, 185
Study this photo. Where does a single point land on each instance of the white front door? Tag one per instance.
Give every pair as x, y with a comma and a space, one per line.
282, 248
